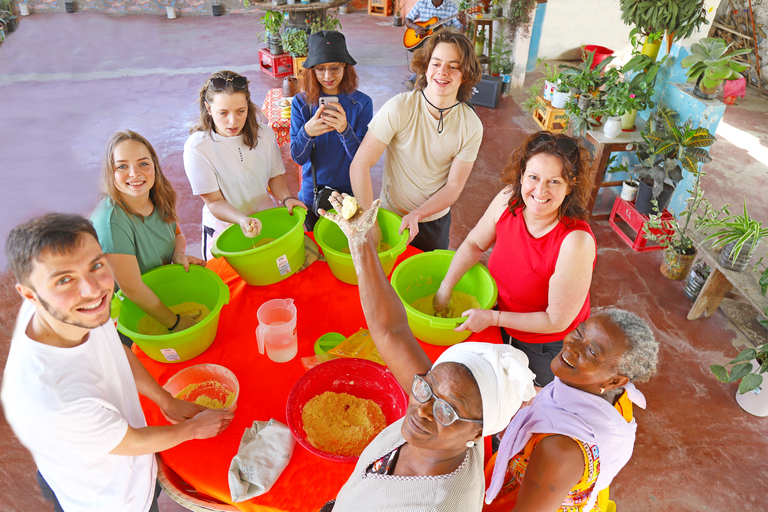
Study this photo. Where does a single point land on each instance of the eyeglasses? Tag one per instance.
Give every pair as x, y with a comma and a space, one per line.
219, 84
564, 144
334, 70
441, 410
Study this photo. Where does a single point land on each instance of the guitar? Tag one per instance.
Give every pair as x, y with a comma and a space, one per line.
412, 40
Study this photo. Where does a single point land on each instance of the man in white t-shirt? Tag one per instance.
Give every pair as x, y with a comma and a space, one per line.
70, 387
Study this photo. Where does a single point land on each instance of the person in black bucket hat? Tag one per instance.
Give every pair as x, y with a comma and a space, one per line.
325, 138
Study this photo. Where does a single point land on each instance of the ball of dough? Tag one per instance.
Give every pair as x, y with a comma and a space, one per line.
349, 207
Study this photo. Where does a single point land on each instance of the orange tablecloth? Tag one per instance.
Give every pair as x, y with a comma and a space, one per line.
323, 304
280, 126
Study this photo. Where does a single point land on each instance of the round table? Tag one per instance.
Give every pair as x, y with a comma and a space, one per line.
297, 13
323, 304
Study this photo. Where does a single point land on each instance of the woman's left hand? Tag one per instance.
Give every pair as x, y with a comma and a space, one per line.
336, 119
477, 320
292, 203
180, 410
186, 260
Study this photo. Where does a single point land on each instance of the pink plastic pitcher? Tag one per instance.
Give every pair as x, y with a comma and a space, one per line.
277, 330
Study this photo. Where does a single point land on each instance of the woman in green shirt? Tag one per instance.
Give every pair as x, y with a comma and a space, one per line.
137, 224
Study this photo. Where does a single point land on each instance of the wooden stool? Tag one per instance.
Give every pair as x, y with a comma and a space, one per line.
548, 117
380, 7
275, 65
636, 220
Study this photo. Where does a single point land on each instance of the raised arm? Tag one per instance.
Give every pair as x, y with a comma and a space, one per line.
384, 312
367, 155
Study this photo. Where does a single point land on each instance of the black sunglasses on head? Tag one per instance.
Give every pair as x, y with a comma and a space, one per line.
219, 84
564, 144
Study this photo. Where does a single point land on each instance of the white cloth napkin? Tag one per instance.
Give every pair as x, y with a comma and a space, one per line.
264, 452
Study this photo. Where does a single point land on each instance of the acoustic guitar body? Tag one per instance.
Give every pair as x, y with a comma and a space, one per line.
411, 40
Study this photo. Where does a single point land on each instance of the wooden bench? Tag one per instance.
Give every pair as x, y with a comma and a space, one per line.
721, 281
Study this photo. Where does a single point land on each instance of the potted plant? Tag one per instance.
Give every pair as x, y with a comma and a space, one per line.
551, 76
581, 120
499, 55
696, 279
216, 8
272, 21
560, 96
296, 42
739, 236
630, 185
710, 64
506, 75
674, 235
480, 41
397, 20
586, 79
678, 18
748, 369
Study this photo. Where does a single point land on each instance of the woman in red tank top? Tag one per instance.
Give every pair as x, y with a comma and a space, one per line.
543, 250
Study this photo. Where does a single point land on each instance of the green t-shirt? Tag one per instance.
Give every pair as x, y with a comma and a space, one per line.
151, 241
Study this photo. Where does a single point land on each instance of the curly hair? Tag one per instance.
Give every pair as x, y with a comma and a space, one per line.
311, 85
469, 63
640, 361
162, 194
205, 123
575, 171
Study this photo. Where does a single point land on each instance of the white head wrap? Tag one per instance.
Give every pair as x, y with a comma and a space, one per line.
502, 375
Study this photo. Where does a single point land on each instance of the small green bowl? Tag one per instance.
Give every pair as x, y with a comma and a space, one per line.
328, 341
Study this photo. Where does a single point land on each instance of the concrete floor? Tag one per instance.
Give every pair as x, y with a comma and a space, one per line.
72, 80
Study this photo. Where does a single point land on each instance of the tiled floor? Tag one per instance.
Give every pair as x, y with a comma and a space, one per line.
71, 80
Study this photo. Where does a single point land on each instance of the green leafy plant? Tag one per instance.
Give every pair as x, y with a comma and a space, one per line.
531, 102
740, 230
625, 168
518, 14
679, 18
295, 42
683, 143
749, 378
580, 120
317, 21
500, 54
272, 21
551, 74
583, 77
709, 62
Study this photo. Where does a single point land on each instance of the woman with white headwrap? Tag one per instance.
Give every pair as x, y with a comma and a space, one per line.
432, 459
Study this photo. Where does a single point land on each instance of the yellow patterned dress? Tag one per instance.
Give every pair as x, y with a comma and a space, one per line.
578, 496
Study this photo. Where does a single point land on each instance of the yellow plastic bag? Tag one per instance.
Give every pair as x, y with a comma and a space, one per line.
359, 345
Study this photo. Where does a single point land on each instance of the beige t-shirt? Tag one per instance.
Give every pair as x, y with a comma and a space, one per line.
418, 159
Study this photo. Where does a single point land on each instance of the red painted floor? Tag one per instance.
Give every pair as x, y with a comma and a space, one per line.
70, 81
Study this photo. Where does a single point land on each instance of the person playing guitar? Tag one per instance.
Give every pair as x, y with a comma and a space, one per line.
440, 9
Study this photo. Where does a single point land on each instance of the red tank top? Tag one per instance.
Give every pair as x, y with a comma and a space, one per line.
523, 265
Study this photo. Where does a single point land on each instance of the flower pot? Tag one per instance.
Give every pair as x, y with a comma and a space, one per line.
727, 261
274, 44
628, 120
12, 24
629, 190
506, 84
705, 93
397, 21
559, 99
754, 402
645, 194
585, 100
24, 9
612, 127
549, 90
479, 47
695, 284
170, 12
69, 7
343, 9
675, 265
292, 2
217, 9
651, 49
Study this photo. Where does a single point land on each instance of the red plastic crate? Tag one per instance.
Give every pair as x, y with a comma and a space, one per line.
626, 211
276, 66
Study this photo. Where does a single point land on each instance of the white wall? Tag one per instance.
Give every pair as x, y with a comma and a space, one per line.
569, 24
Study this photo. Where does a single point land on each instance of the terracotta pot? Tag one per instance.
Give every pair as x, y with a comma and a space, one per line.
675, 265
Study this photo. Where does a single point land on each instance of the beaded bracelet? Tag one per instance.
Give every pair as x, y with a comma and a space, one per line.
178, 319
289, 197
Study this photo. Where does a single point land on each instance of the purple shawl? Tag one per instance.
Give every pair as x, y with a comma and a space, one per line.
562, 409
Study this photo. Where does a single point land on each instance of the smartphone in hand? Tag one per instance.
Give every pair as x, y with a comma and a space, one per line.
325, 100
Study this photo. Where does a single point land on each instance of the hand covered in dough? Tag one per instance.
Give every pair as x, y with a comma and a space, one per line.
251, 227
357, 227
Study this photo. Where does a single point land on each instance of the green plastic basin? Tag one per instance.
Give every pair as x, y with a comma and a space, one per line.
270, 263
173, 286
421, 275
332, 240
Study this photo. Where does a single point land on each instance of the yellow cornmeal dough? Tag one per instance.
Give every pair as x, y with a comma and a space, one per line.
349, 207
205, 391
263, 242
151, 327
460, 302
341, 424
383, 247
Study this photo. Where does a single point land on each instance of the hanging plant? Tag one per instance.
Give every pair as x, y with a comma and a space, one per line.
518, 14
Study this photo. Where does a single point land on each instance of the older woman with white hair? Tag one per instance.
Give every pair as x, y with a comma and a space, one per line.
432, 458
